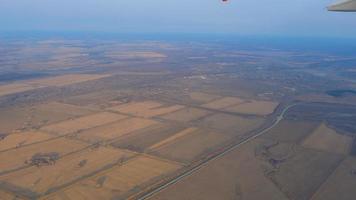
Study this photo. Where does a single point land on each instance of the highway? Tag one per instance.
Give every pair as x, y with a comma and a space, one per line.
191, 171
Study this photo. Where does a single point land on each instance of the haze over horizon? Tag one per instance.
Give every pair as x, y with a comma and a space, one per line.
273, 17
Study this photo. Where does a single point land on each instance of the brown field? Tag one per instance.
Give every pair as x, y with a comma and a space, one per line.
237, 175
118, 181
203, 97
327, 139
341, 184
17, 158
100, 99
301, 174
186, 115
231, 124
291, 131
23, 138
64, 80
254, 107
40, 180
14, 88
115, 130
82, 123
188, 146
8, 196
146, 108
144, 138
223, 103
30, 117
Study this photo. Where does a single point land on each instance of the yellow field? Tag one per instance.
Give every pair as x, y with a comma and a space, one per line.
327, 139
223, 103
202, 97
40, 179
65, 80
186, 115
24, 138
14, 88
117, 181
254, 107
146, 108
115, 130
32, 117
173, 137
64, 109
82, 123
17, 158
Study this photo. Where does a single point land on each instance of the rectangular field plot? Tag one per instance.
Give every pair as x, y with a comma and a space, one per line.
327, 139
300, 175
14, 88
341, 184
64, 80
29, 117
236, 175
16, 140
223, 103
115, 130
21, 157
254, 107
146, 108
189, 145
82, 123
186, 115
117, 182
230, 123
203, 97
291, 131
143, 139
34, 180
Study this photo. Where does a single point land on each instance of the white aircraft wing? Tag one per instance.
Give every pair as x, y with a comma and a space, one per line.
344, 6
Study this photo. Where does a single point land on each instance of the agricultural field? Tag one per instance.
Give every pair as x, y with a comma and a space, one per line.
340, 184
16, 140
35, 181
82, 123
223, 103
118, 181
21, 157
231, 124
237, 175
146, 108
30, 117
189, 145
186, 115
254, 107
327, 139
292, 131
57, 81
114, 130
144, 139
292, 178
203, 97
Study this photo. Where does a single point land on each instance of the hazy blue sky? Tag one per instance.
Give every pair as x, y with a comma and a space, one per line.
282, 17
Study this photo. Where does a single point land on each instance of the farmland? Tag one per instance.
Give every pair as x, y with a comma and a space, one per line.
121, 119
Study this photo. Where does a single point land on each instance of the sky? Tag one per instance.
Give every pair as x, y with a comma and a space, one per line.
246, 17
